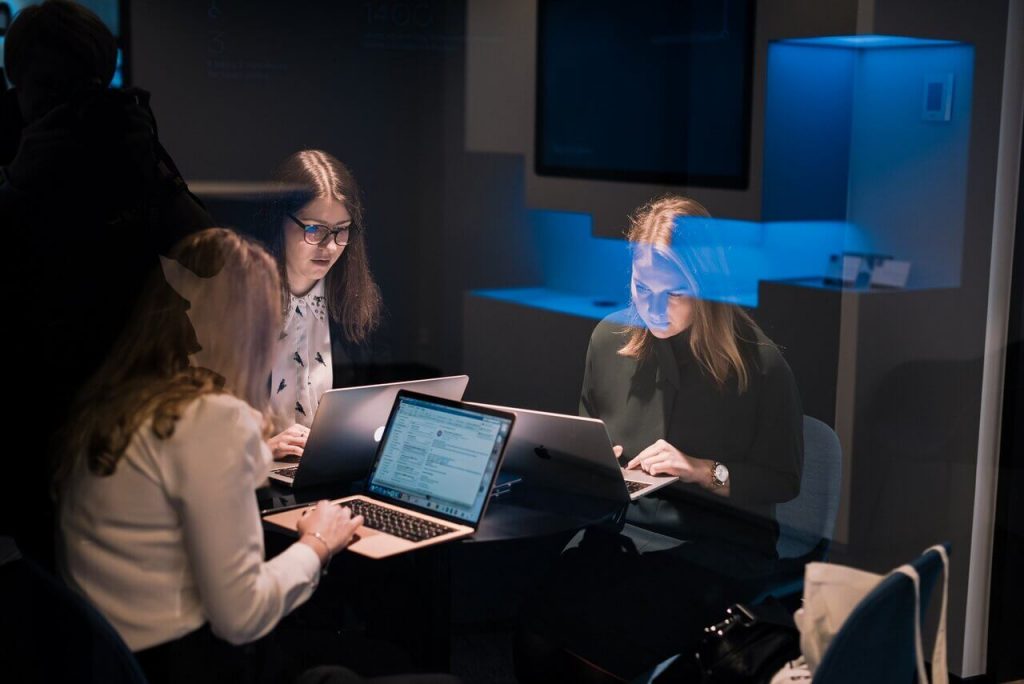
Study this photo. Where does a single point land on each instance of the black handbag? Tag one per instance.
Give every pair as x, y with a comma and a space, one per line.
750, 645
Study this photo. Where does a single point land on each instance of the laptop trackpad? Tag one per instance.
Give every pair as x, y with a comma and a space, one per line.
375, 544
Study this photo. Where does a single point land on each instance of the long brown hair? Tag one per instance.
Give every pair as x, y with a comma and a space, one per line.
715, 327
353, 298
217, 296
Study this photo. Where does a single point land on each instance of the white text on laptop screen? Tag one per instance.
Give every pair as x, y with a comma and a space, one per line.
439, 457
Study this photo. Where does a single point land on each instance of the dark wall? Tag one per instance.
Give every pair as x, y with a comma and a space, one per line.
916, 358
932, 347
237, 86
984, 26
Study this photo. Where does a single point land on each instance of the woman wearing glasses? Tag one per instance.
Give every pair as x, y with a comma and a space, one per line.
332, 303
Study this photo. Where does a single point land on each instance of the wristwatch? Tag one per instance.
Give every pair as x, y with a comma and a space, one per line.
719, 475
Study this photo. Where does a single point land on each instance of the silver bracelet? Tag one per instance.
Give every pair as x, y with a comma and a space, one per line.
320, 538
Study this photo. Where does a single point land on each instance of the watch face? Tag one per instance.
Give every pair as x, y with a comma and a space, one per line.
721, 473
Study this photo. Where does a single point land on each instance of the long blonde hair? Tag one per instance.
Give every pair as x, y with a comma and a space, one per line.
217, 296
715, 326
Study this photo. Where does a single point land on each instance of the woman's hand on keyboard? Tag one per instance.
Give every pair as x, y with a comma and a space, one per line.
291, 442
328, 528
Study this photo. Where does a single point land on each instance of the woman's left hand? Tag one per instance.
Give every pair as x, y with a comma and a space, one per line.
291, 442
661, 458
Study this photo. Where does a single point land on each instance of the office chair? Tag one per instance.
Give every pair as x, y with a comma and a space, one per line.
807, 523
876, 643
51, 634
806, 526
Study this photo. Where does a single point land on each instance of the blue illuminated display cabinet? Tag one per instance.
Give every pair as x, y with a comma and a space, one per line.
865, 150
873, 131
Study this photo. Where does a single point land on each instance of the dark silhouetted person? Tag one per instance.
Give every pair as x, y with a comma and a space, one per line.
88, 200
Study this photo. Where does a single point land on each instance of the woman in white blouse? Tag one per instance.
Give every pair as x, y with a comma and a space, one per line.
160, 527
331, 299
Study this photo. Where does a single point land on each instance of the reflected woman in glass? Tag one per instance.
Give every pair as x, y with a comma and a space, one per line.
331, 303
688, 386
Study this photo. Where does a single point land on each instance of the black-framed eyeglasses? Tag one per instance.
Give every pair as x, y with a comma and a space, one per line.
317, 234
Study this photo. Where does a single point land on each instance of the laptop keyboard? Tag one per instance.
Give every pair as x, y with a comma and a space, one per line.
632, 486
395, 522
287, 472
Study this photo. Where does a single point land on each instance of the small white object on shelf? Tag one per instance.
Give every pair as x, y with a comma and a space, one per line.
890, 273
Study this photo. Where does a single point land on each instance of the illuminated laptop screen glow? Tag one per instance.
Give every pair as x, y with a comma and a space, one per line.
439, 458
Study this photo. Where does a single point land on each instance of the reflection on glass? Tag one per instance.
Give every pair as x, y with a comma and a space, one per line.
688, 386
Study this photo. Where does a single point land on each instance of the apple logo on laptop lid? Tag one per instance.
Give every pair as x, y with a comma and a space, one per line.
378, 433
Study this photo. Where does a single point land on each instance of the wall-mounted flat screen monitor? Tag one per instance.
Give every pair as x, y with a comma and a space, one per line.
656, 91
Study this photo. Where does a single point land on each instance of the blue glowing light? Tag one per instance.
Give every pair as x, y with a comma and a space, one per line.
588, 276
877, 138
865, 151
867, 42
569, 303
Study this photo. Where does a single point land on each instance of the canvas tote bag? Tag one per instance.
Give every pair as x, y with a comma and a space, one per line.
831, 592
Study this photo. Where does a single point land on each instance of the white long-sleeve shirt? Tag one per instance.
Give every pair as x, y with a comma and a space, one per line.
173, 539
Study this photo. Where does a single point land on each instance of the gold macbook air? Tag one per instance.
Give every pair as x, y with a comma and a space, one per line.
431, 479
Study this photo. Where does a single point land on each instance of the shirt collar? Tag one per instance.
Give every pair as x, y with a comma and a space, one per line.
312, 303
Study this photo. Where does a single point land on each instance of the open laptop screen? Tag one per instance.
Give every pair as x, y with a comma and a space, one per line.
439, 456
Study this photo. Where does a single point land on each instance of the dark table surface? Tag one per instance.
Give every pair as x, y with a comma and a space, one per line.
523, 512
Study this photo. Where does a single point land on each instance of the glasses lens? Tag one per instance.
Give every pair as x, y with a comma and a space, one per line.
314, 235
341, 237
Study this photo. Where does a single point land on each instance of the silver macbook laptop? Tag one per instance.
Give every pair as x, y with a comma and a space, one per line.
431, 479
347, 428
572, 453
